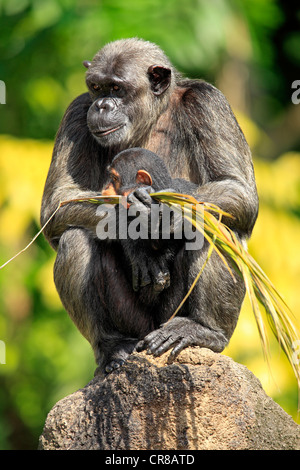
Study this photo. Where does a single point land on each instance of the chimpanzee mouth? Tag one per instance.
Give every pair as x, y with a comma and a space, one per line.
102, 133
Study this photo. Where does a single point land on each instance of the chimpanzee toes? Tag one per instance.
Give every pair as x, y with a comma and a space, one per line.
113, 365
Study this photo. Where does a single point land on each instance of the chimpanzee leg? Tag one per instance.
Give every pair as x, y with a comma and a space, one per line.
81, 286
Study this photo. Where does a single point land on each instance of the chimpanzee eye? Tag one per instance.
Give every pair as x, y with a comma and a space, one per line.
113, 177
95, 86
115, 88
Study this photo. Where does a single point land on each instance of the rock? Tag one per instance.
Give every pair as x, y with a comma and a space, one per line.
202, 400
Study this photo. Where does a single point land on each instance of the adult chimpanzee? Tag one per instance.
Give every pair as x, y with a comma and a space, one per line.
137, 99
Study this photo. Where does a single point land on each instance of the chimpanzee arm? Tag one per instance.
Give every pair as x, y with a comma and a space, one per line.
75, 171
222, 167
221, 156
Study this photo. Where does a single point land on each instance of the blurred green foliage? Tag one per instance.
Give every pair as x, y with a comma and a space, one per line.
250, 50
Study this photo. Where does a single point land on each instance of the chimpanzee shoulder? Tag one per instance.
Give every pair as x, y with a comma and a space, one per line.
77, 109
208, 109
204, 96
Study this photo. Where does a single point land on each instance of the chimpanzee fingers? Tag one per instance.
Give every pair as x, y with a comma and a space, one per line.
165, 344
133, 200
143, 195
147, 189
150, 272
159, 341
157, 349
145, 343
183, 343
165, 274
140, 346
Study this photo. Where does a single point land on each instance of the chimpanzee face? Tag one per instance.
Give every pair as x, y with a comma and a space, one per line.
107, 118
124, 97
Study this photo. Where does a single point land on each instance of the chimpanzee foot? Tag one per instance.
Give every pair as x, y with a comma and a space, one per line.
119, 355
147, 271
161, 281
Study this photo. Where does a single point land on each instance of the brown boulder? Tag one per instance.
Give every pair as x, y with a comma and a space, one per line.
202, 400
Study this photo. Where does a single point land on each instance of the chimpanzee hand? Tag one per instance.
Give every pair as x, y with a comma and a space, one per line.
179, 333
141, 196
149, 268
141, 201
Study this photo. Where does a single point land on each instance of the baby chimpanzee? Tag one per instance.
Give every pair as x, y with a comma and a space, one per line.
138, 167
136, 173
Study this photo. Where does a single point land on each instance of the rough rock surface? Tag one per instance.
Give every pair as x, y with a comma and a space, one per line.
202, 400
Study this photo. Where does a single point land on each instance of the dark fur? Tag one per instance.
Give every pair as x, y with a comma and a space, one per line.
190, 125
128, 162
150, 260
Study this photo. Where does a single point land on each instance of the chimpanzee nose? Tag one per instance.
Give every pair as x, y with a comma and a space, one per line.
106, 104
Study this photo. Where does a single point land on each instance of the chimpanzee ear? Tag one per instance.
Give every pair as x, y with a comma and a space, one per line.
86, 63
160, 79
143, 177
